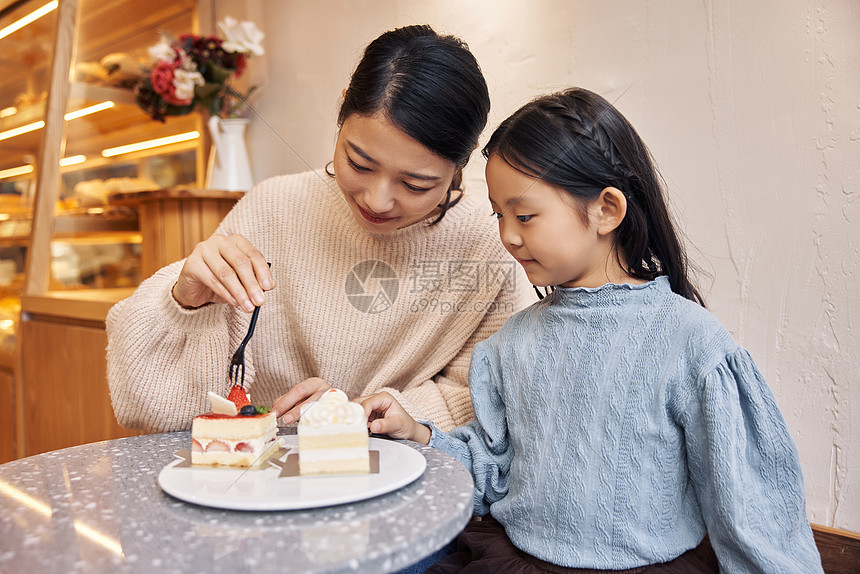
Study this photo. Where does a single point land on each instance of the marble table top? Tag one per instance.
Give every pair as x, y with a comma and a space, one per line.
98, 508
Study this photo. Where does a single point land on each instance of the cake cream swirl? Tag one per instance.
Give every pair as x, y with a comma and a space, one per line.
333, 407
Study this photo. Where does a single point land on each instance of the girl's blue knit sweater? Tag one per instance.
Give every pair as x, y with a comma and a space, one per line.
615, 426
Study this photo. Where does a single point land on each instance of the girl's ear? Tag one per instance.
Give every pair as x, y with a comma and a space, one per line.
609, 210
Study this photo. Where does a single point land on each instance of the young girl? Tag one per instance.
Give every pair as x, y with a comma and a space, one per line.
616, 421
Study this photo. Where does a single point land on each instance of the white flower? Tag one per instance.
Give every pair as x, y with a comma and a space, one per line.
185, 61
162, 51
184, 82
242, 37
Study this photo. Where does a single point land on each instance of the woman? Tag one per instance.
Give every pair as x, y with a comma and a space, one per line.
384, 276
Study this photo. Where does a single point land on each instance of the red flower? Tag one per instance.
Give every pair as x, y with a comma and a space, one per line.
162, 82
191, 38
240, 64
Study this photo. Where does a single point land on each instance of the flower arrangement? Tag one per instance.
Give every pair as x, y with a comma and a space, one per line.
196, 71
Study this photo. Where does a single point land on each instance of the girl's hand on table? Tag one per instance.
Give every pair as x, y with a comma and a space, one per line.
386, 416
290, 404
224, 269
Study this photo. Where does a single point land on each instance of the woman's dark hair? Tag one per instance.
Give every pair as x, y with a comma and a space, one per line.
428, 85
578, 142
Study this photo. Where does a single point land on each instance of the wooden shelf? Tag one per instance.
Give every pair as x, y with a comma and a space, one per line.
73, 224
137, 197
83, 305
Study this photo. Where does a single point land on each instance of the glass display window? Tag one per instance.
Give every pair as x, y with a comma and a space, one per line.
111, 147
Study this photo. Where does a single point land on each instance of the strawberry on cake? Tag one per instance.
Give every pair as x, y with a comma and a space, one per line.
235, 433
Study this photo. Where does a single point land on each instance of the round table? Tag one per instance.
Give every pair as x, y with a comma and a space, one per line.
98, 508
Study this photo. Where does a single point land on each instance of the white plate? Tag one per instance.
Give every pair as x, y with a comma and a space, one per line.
399, 465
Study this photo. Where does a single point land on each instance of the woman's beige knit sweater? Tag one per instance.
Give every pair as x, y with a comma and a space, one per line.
366, 312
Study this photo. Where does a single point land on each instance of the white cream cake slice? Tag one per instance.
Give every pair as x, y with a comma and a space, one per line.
333, 436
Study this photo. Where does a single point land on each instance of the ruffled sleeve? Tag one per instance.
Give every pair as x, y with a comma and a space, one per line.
483, 444
746, 472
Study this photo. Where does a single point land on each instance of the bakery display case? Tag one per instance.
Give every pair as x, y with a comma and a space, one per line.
93, 194
27, 33
110, 146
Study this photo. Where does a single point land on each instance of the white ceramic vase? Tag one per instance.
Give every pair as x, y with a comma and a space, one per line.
229, 165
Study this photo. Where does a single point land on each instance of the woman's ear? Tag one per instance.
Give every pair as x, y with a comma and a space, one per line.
609, 210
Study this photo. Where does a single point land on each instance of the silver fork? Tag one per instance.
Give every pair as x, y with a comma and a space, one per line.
237, 362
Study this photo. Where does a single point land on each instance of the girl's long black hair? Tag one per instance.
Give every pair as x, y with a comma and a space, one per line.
578, 142
430, 86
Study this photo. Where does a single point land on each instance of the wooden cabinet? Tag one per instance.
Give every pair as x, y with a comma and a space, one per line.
65, 399
9, 420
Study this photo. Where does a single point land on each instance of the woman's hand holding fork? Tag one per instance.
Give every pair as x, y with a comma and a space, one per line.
224, 269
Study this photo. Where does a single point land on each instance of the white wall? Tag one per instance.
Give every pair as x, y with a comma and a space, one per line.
752, 111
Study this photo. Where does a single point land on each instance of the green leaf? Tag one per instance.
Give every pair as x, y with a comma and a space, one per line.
216, 73
179, 110
207, 90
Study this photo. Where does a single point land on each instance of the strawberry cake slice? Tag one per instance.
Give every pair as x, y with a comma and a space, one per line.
235, 433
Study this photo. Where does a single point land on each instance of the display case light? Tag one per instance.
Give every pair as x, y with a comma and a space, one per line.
10, 111
69, 116
25, 169
13, 171
72, 160
22, 130
149, 144
89, 110
29, 18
